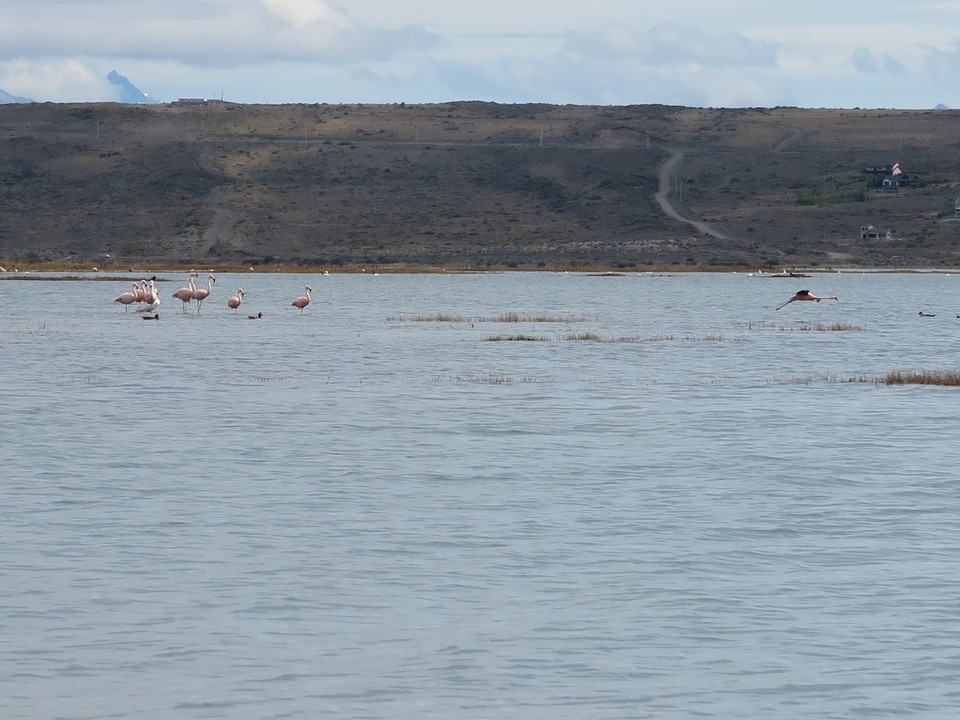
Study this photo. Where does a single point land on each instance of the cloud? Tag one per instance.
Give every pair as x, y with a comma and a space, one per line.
943, 66
58, 80
301, 13
868, 62
204, 33
672, 43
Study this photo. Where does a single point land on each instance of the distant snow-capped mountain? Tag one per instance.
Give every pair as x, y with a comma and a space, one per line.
6, 98
129, 93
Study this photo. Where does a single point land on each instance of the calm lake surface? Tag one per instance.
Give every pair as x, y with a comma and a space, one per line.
671, 503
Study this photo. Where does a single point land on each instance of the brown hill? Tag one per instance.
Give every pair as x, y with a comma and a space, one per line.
472, 184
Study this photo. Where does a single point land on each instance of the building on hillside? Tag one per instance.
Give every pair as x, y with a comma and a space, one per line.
885, 169
892, 182
872, 232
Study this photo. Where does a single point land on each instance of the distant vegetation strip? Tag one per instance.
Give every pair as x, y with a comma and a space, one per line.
510, 317
922, 377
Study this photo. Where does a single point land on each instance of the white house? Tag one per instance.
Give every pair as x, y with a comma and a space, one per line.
871, 232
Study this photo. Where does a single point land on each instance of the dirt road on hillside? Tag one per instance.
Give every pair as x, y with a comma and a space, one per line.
665, 197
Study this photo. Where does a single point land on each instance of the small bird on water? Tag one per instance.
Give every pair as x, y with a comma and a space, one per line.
923, 314
258, 316
152, 317
806, 295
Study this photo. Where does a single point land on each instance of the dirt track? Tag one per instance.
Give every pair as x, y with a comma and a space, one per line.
665, 196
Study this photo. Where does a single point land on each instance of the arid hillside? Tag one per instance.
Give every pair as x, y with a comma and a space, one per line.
476, 185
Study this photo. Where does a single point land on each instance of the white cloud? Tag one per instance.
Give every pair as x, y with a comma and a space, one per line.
669, 43
300, 13
206, 34
56, 80
690, 52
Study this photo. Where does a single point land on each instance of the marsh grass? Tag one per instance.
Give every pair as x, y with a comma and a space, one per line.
514, 338
949, 378
822, 378
593, 336
510, 317
434, 317
824, 327
800, 327
39, 328
513, 317
497, 379
684, 338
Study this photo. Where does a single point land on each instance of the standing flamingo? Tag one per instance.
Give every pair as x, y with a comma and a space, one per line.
185, 294
127, 298
234, 300
151, 300
806, 295
304, 300
142, 288
201, 294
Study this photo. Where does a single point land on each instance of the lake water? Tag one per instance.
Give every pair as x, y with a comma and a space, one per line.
671, 503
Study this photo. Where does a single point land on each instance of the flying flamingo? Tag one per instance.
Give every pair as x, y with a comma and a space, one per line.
234, 300
127, 298
201, 294
185, 294
304, 300
806, 295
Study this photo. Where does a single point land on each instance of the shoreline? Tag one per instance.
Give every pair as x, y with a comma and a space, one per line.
117, 272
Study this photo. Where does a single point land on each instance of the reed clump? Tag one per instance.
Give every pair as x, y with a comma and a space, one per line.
688, 338
949, 378
824, 327
513, 338
510, 317
513, 317
432, 317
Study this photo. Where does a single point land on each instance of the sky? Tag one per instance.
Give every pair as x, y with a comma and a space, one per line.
699, 53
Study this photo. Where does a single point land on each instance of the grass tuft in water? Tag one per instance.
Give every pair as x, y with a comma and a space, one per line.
517, 317
825, 327
513, 338
922, 377
801, 327
510, 317
434, 317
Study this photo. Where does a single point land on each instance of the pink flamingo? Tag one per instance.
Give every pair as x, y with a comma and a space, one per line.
806, 295
304, 300
201, 294
151, 301
127, 298
234, 300
142, 289
185, 294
